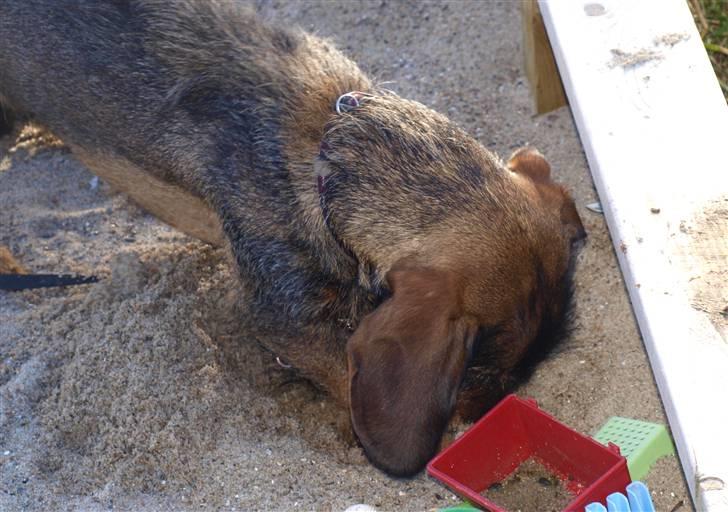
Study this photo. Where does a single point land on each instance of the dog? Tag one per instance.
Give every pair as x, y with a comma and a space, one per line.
384, 253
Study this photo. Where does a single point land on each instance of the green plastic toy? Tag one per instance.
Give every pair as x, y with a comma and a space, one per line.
642, 443
460, 507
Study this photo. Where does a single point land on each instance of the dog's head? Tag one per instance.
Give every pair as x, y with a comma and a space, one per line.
476, 257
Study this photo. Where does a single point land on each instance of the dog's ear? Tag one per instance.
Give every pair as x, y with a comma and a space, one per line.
406, 363
530, 162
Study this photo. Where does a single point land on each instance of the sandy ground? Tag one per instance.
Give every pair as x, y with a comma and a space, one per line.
140, 393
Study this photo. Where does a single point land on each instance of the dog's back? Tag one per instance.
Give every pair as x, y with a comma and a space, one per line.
105, 100
117, 69
77, 48
144, 91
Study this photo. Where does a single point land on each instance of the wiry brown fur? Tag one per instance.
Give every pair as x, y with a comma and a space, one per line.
434, 256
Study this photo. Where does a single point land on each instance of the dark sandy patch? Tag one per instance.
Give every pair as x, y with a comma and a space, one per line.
530, 487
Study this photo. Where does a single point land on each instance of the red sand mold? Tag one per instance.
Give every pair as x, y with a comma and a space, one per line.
516, 430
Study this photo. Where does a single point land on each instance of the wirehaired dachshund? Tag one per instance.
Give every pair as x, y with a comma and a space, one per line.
383, 252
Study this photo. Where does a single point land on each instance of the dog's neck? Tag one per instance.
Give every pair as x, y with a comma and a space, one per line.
315, 107
345, 104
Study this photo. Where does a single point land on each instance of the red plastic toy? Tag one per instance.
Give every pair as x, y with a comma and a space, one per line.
515, 430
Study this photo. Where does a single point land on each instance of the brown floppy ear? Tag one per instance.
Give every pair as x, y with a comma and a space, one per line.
406, 363
530, 162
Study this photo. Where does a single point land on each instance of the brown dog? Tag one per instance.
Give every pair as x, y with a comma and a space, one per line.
385, 253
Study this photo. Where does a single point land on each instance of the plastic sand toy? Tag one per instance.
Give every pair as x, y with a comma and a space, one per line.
641, 442
637, 500
515, 431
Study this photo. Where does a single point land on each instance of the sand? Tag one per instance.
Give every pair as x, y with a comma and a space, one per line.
530, 487
141, 392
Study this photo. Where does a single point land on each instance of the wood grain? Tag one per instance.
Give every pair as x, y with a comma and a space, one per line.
546, 88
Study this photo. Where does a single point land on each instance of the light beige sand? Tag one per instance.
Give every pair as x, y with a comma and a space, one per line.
140, 393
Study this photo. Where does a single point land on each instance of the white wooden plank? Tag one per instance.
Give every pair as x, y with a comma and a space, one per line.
654, 126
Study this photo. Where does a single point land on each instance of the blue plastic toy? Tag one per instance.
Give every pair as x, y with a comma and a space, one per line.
637, 500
